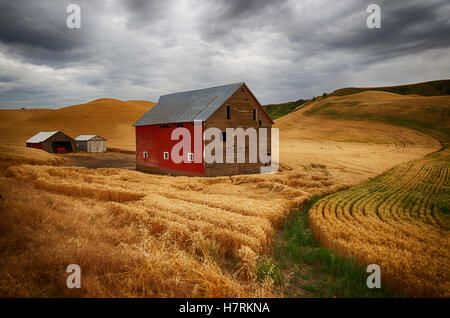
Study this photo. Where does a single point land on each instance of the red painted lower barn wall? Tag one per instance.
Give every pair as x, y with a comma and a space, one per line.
37, 146
156, 140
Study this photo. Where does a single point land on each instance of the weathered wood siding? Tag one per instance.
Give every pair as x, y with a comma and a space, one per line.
82, 146
242, 103
95, 144
50, 144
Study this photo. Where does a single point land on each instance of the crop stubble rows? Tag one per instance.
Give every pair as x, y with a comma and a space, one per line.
394, 221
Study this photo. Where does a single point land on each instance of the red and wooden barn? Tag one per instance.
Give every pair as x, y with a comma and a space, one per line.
228, 106
52, 141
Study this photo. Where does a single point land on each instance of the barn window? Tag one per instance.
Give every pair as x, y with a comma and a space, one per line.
228, 112
254, 114
145, 154
190, 156
166, 156
223, 136
242, 90
260, 123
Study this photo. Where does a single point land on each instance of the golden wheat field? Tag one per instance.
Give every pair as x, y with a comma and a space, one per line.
136, 234
10, 155
143, 235
394, 221
399, 220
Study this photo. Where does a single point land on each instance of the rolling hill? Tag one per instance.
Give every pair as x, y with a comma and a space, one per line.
430, 115
432, 88
109, 118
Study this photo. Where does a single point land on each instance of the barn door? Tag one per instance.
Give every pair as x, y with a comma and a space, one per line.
94, 146
99, 146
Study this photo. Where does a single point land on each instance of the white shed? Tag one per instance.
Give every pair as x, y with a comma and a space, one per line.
91, 143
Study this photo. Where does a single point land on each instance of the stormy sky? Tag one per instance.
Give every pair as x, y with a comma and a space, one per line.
284, 50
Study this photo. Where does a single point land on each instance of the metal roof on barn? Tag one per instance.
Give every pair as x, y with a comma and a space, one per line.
41, 136
188, 106
87, 137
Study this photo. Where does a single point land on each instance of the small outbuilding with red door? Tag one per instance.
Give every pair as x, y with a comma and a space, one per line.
221, 107
52, 141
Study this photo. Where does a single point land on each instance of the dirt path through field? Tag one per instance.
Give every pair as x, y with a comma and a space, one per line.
102, 160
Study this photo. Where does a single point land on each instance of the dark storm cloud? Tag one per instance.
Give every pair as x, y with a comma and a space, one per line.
227, 20
142, 13
283, 49
36, 24
233, 10
406, 26
405, 29
37, 30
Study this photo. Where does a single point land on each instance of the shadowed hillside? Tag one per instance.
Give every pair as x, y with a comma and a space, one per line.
279, 110
433, 88
430, 115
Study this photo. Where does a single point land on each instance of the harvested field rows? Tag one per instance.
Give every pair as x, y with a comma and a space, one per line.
396, 221
199, 224
188, 205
